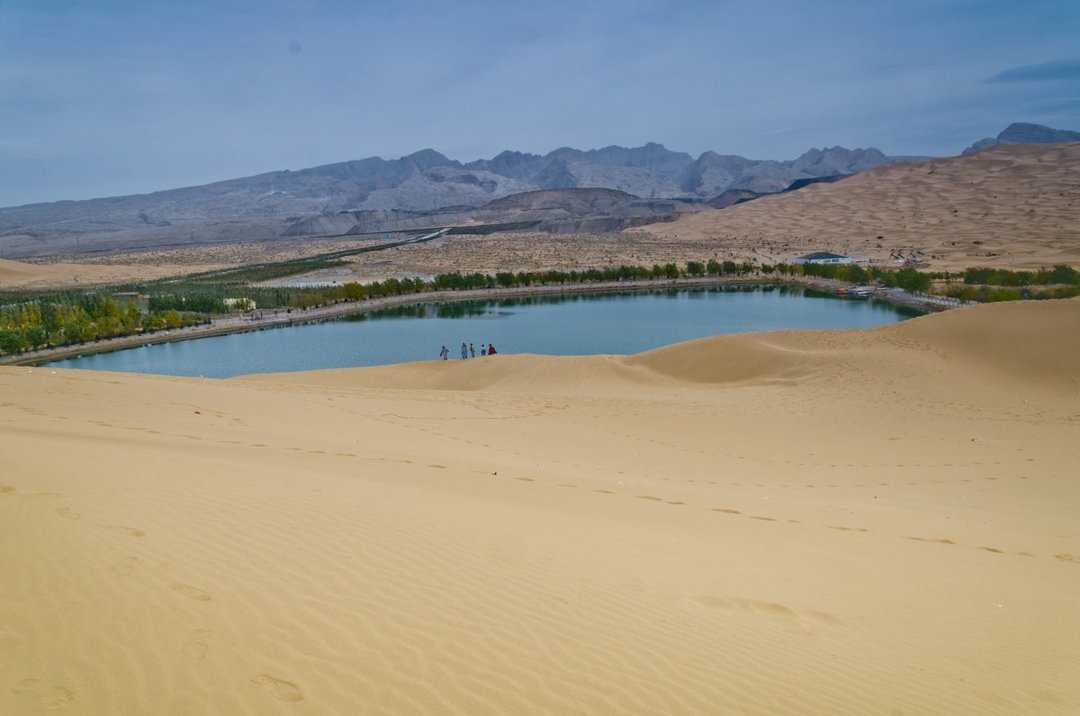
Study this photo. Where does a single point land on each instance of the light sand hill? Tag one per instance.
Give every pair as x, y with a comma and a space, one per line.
1013, 205
880, 522
21, 275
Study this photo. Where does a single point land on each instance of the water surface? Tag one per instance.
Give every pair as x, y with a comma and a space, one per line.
615, 323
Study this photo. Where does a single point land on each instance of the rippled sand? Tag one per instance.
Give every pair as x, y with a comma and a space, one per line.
841, 522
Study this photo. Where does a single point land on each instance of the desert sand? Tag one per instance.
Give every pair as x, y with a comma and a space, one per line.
23, 275
878, 522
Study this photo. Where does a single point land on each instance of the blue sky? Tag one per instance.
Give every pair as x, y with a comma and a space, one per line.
102, 98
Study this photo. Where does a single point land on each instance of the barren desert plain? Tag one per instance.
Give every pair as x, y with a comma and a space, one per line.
853, 522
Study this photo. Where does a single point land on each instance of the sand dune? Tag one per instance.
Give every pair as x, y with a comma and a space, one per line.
783, 523
1011, 205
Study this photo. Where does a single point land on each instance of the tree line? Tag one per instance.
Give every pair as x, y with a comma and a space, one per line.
80, 318
31, 321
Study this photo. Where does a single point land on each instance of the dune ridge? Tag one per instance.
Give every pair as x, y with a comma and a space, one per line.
841, 522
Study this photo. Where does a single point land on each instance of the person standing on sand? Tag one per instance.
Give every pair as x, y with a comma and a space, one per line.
491, 349
444, 353
483, 350
464, 351
472, 351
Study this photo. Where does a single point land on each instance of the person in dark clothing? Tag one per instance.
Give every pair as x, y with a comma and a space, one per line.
472, 351
491, 349
444, 353
464, 351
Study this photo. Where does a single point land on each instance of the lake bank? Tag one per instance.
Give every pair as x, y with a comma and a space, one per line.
261, 320
594, 323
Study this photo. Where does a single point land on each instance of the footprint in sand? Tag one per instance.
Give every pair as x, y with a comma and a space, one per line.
281, 689
9, 639
762, 518
196, 646
727, 510
525, 479
191, 592
1067, 557
804, 618
755, 605
605, 492
842, 528
650, 497
130, 531
68, 513
51, 697
994, 550
5, 489
126, 568
933, 540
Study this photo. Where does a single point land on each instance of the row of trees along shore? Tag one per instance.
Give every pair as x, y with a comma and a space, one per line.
29, 321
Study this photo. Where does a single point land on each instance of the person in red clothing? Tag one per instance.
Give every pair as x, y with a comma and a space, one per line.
491, 349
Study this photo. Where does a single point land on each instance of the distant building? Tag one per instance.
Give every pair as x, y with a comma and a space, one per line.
824, 257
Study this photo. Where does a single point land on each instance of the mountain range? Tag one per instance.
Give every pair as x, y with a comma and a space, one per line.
426, 187
427, 180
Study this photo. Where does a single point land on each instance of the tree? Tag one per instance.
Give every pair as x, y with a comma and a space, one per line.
911, 280
353, 291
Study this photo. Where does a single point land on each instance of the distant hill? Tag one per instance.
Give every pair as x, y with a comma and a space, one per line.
1025, 133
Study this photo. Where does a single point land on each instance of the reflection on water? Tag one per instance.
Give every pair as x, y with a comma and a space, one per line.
581, 324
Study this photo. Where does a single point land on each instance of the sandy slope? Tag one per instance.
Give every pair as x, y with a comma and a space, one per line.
880, 522
1014, 205
21, 275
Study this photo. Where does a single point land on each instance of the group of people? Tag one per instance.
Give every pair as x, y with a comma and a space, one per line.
468, 350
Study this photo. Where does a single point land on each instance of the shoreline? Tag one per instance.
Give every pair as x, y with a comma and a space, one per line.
280, 318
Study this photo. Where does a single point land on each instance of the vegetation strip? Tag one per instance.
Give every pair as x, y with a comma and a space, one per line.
43, 323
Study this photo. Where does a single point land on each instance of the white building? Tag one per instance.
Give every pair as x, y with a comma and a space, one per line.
824, 257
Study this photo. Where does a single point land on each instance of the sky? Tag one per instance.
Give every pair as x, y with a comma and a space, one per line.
100, 98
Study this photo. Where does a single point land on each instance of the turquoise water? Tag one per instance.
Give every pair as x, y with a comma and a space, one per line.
566, 325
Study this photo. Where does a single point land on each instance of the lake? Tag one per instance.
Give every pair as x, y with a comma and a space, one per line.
614, 323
